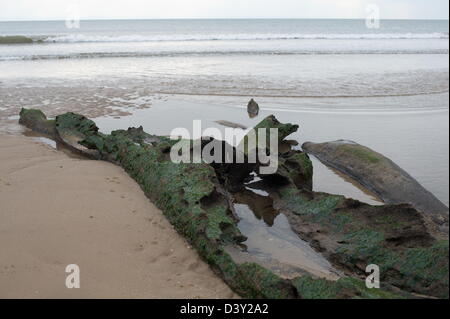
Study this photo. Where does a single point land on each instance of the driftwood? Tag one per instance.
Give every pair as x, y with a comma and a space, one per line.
380, 175
198, 200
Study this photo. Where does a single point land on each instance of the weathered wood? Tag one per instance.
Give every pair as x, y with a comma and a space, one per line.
378, 174
196, 199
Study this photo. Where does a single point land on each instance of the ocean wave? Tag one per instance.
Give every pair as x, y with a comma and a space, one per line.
15, 39
131, 54
77, 38
83, 38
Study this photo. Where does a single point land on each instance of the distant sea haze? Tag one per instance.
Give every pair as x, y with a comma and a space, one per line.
287, 58
291, 37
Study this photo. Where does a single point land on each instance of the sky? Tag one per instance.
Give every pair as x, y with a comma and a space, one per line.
167, 9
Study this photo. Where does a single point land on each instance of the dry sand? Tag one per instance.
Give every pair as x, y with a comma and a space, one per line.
57, 210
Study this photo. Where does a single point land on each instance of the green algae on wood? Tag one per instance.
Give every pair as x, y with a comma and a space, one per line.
37, 120
353, 235
190, 197
380, 175
272, 286
270, 122
75, 124
192, 200
197, 205
74, 129
294, 166
343, 288
284, 129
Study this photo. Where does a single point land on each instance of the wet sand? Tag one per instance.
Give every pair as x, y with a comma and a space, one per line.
57, 210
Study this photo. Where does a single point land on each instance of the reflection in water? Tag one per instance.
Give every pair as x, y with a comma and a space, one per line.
47, 140
261, 206
329, 180
271, 241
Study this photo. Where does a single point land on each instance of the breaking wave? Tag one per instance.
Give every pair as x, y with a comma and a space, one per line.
82, 38
15, 39
94, 55
74, 38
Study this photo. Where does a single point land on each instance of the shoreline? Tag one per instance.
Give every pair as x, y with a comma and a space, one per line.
92, 214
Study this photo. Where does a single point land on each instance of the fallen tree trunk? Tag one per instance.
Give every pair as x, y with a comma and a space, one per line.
196, 199
378, 174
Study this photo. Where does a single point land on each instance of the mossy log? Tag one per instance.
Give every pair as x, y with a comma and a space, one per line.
294, 166
190, 195
380, 175
351, 235
198, 203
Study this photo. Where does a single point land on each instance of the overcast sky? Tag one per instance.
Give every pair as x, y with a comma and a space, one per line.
161, 9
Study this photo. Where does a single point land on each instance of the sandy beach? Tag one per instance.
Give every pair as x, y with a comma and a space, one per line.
288, 235
58, 210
